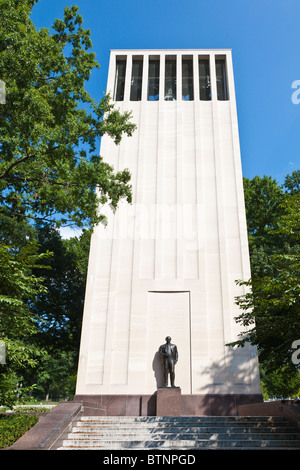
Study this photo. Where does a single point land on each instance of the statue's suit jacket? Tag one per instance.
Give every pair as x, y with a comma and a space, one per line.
169, 350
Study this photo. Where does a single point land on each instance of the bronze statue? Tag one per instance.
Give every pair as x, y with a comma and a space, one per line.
169, 354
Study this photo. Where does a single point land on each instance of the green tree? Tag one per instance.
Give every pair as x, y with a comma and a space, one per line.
60, 306
280, 383
18, 287
292, 182
50, 125
53, 379
263, 199
49, 171
58, 311
270, 311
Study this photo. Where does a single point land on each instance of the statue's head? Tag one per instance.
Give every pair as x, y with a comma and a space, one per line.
168, 339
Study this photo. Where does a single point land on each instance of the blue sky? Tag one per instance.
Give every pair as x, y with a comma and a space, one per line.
264, 36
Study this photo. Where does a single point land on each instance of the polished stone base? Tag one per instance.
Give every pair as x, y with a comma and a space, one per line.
168, 401
157, 404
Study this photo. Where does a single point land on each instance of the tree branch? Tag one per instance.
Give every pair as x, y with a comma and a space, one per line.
21, 160
26, 157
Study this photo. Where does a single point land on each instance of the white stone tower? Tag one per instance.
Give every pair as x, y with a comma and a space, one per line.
167, 264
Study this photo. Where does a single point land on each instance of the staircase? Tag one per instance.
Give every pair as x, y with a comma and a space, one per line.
181, 433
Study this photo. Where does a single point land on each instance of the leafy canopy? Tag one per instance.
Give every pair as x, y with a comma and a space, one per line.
50, 172
50, 125
270, 309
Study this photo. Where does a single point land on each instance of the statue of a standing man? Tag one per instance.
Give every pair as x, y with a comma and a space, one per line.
169, 354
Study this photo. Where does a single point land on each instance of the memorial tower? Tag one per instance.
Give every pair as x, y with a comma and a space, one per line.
166, 265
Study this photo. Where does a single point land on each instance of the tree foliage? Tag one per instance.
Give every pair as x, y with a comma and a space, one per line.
19, 288
270, 310
50, 172
50, 125
60, 306
58, 312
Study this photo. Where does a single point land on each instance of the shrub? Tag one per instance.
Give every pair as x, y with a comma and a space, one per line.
32, 409
14, 426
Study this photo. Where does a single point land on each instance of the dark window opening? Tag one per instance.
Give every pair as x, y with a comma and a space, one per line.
136, 80
153, 80
222, 91
187, 80
120, 79
204, 80
170, 79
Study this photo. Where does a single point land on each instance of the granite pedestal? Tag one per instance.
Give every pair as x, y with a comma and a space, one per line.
168, 401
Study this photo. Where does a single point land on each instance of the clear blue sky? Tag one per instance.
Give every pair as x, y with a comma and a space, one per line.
264, 36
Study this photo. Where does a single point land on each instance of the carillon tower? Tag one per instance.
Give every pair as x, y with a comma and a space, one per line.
167, 264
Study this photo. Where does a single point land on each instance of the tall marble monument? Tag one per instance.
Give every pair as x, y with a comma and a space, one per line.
167, 264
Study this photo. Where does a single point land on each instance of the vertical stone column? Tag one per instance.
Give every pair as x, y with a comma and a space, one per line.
179, 77
128, 77
162, 77
145, 77
196, 77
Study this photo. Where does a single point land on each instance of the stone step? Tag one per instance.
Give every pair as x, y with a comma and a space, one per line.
179, 433
178, 444
186, 435
223, 425
173, 429
180, 419
165, 424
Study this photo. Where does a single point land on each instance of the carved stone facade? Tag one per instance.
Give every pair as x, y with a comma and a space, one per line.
167, 264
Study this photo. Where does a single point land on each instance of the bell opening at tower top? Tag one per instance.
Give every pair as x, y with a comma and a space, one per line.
136, 79
170, 78
221, 76
204, 79
187, 79
153, 79
120, 79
